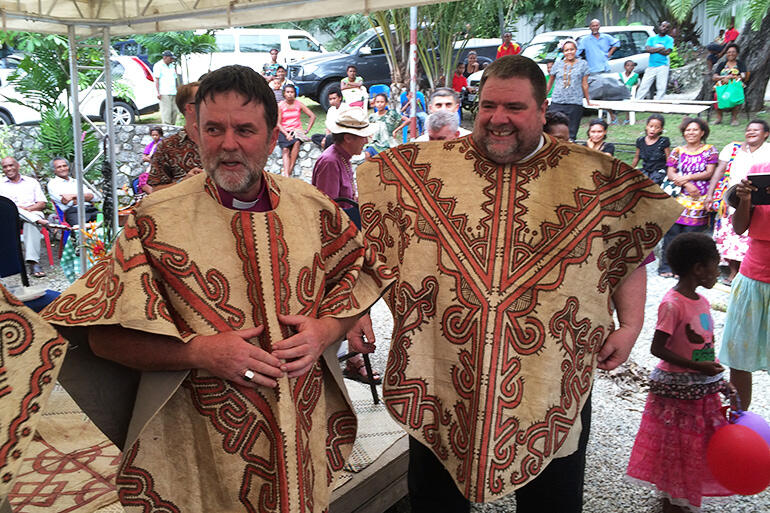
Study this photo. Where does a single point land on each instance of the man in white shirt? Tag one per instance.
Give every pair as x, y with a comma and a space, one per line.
28, 196
444, 98
63, 190
164, 72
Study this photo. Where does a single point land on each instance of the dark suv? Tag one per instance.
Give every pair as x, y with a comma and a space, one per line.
317, 75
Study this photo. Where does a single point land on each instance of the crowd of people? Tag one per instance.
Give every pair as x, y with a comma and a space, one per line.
491, 364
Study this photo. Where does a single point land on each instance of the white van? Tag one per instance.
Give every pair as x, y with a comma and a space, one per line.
251, 47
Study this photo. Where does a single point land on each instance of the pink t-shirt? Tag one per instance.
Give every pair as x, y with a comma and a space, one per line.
756, 263
290, 115
689, 323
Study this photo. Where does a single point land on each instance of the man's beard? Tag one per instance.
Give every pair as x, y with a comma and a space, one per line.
235, 182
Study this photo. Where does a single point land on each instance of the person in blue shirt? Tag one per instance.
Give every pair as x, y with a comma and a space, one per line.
658, 46
597, 48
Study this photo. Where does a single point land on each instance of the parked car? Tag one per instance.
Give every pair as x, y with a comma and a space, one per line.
133, 49
314, 77
251, 47
131, 71
545, 46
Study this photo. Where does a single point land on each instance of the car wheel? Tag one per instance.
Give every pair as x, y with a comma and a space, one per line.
122, 113
323, 97
5, 119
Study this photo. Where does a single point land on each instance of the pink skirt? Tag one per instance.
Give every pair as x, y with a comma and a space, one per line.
670, 448
731, 246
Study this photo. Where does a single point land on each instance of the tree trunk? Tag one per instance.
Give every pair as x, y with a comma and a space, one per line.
755, 47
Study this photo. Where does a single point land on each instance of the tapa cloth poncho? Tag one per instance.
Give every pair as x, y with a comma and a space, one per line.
186, 265
31, 356
505, 276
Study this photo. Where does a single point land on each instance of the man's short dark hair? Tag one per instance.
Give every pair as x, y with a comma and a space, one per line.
185, 94
444, 91
351, 66
517, 66
688, 249
338, 138
553, 118
244, 81
334, 90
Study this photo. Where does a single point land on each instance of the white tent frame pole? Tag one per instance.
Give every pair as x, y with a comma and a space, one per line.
76, 135
109, 121
413, 70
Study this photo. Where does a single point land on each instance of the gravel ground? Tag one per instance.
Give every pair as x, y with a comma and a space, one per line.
618, 402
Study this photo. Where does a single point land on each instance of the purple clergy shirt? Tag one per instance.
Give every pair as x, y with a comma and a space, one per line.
333, 174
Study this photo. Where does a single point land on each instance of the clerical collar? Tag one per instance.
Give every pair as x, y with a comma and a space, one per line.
260, 204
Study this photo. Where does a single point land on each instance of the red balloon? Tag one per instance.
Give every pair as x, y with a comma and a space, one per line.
739, 459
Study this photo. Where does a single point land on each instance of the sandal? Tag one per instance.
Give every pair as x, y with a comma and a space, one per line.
36, 271
359, 374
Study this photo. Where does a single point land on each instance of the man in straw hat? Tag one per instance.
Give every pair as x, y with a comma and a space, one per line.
224, 291
333, 174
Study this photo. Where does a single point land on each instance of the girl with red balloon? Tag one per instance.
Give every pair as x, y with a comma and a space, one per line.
684, 407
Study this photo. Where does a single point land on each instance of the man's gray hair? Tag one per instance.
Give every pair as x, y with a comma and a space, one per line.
442, 118
57, 159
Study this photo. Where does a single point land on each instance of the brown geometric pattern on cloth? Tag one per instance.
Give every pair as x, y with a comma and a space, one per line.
175, 156
264, 449
495, 341
69, 466
31, 353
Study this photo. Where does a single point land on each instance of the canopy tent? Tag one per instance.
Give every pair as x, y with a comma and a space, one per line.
103, 19
123, 17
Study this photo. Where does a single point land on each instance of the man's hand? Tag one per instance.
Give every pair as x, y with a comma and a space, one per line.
617, 348
229, 355
361, 336
302, 350
66, 198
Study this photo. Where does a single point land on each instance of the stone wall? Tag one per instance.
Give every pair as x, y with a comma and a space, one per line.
131, 141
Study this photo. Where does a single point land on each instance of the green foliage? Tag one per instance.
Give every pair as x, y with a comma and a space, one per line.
45, 69
179, 43
5, 148
675, 60
56, 137
341, 29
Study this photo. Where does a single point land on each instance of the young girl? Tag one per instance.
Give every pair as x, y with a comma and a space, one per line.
683, 406
747, 328
291, 134
653, 149
597, 133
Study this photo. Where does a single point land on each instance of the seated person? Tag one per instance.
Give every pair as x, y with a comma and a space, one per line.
387, 123
406, 109
353, 90
291, 133
472, 64
63, 190
28, 196
442, 125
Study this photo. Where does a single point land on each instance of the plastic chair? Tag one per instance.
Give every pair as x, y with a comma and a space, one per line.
420, 119
355, 216
12, 254
378, 89
65, 233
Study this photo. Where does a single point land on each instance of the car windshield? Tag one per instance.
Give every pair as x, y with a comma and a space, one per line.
360, 39
542, 50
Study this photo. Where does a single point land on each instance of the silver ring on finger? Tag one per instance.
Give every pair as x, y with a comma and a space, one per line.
248, 375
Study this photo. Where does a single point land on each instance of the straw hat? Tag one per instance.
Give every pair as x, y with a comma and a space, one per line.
349, 120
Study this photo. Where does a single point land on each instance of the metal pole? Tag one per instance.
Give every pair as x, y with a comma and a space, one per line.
413, 70
77, 133
109, 121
